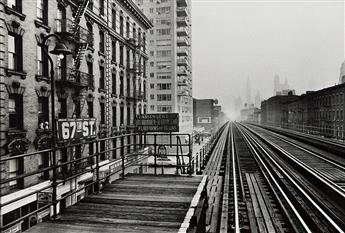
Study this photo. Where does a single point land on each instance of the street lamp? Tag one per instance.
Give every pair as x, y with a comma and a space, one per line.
61, 50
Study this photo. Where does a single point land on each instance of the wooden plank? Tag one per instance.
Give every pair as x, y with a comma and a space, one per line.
263, 207
257, 212
128, 207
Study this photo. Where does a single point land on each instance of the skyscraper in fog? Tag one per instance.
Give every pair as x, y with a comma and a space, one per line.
279, 86
249, 92
170, 67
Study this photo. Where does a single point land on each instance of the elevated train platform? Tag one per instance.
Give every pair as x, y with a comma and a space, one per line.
137, 203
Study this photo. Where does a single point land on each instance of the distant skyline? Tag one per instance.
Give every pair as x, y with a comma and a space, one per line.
302, 41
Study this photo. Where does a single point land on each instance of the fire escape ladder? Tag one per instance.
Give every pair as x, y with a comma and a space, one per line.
79, 56
107, 91
79, 13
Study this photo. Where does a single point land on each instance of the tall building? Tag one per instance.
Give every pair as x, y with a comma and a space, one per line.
280, 87
104, 79
249, 92
257, 101
342, 73
170, 66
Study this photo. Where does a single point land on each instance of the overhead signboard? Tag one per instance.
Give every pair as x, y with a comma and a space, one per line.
72, 129
160, 122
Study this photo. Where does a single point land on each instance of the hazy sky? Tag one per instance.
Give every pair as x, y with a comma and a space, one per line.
302, 41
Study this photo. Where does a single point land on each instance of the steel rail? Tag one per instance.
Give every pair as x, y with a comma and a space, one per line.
299, 187
305, 149
333, 186
237, 221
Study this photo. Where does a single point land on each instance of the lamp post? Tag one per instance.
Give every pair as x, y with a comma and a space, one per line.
61, 50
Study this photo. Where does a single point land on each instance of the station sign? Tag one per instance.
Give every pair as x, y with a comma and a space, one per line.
72, 129
159, 122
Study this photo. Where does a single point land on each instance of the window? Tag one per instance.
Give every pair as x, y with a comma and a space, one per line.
102, 150
163, 86
128, 115
90, 108
152, 75
151, 10
164, 42
152, 107
127, 29
43, 110
152, 85
113, 80
101, 7
121, 25
42, 62
102, 110
121, 115
152, 97
152, 64
164, 65
113, 19
121, 55
15, 5
101, 41
164, 108
128, 144
15, 111
16, 167
128, 87
152, 53
163, 31
42, 11
164, 97
164, 22
101, 78
121, 86
15, 55
114, 115
114, 149
113, 50
164, 75
163, 10
163, 53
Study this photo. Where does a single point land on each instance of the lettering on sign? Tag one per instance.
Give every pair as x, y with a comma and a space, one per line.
164, 122
71, 129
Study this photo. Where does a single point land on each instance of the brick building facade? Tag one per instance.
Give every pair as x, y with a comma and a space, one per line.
104, 78
317, 112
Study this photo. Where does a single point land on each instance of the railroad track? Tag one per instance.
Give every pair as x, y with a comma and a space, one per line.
253, 200
311, 181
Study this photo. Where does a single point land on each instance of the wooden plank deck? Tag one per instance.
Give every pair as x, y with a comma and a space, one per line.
138, 203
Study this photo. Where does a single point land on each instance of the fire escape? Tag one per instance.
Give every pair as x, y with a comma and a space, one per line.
137, 68
71, 76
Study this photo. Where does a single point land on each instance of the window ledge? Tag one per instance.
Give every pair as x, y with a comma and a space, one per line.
113, 62
113, 95
39, 23
42, 78
10, 11
10, 72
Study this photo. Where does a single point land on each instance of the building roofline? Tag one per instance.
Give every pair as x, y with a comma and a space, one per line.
132, 7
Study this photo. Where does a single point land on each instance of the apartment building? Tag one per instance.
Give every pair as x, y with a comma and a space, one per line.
104, 79
170, 66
